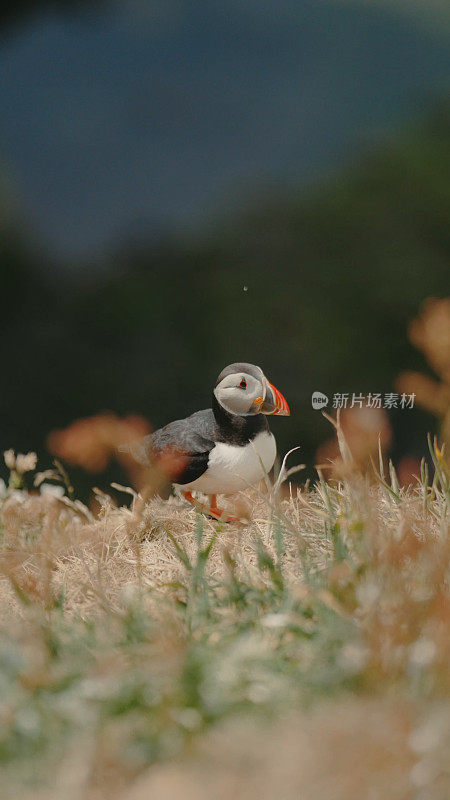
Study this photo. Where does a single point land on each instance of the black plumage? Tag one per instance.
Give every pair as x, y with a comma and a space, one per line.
196, 436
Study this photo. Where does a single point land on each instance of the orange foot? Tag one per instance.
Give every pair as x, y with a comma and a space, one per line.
212, 510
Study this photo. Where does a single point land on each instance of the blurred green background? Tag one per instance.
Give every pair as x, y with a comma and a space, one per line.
185, 185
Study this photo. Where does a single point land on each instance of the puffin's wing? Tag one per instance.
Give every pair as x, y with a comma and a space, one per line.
191, 437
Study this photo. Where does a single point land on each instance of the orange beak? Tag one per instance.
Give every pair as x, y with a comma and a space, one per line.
274, 402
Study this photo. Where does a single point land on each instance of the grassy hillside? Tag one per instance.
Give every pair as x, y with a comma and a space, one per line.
149, 648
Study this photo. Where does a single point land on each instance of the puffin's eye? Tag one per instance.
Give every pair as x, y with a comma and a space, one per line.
243, 384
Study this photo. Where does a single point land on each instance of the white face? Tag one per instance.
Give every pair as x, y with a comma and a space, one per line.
241, 393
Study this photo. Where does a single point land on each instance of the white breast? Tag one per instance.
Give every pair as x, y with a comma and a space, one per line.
232, 468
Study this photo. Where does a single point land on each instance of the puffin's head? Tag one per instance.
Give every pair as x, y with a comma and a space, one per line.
243, 389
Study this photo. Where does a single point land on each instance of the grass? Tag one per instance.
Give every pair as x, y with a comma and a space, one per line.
149, 648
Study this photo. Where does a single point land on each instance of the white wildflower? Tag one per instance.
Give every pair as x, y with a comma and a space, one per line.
276, 620
422, 652
10, 459
352, 657
26, 462
51, 489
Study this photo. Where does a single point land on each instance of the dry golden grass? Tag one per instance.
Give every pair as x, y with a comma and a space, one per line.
96, 560
151, 636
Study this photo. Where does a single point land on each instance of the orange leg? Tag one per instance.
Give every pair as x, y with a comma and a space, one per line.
211, 510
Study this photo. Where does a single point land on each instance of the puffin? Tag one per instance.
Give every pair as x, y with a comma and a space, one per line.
225, 448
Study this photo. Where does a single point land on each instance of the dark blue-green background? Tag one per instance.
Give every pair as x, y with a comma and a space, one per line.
158, 157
